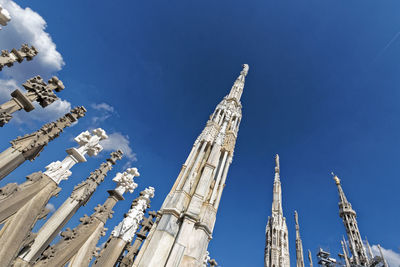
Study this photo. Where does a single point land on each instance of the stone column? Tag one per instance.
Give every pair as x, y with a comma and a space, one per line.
125, 231
29, 146
78, 245
8, 58
133, 250
22, 212
79, 197
37, 90
4, 17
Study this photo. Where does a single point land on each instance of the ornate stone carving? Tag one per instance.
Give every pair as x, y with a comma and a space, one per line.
125, 180
88, 144
83, 191
5, 117
129, 225
4, 16
8, 58
43, 92
32, 144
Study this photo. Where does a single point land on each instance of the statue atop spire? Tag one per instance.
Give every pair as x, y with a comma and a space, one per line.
277, 163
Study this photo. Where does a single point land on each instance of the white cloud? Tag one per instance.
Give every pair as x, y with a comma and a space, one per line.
119, 141
27, 26
392, 257
102, 106
50, 207
103, 111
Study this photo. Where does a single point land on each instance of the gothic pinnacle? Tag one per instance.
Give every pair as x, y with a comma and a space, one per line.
79, 244
123, 233
29, 146
79, 197
37, 90
8, 58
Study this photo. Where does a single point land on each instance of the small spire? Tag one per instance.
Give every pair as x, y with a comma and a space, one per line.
371, 256
383, 258
310, 258
296, 218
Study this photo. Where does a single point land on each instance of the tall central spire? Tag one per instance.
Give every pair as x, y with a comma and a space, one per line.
276, 233
348, 216
187, 216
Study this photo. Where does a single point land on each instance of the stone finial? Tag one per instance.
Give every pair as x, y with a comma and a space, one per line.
88, 144
8, 58
32, 144
37, 90
4, 16
296, 218
129, 225
125, 180
44, 92
114, 156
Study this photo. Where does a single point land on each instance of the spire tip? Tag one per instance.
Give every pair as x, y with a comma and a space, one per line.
337, 180
245, 69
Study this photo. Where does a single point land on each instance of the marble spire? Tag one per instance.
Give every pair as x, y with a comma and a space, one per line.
382, 257
123, 233
78, 245
4, 16
133, 250
29, 146
277, 242
79, 197
310, 258
348, 215
299, 243
22, 206
188, 214
37, 90
8, 58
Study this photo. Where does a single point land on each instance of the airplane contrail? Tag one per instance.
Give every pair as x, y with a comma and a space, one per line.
387, 46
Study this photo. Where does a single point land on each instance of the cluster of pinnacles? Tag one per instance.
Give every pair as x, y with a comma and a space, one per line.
22, 205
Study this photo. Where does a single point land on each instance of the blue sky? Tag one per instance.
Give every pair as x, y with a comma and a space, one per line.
322, 91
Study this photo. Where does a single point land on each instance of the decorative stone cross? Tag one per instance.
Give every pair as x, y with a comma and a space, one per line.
88, 144
37, 90
8, 58
125, 180
128, 227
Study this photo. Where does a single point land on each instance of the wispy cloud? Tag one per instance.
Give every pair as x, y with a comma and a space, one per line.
103, 112
119, 141
392, 257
